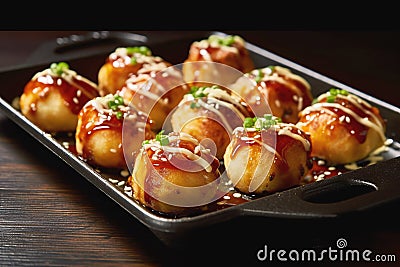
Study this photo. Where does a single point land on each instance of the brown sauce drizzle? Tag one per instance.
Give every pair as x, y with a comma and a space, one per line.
75, 93
288, 92
170, 159
279, 143
358, 130
232, 55
320, 170
157, 160
94, 120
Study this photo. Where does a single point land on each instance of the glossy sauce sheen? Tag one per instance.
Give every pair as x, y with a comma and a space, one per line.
95, 120
122, 63
157, 160
286, 92
150, 87
163, 159
353, 126
221, 105
321, 170
75, 90
278, 142
234, 55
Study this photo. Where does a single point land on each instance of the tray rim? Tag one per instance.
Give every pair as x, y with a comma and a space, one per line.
151, 220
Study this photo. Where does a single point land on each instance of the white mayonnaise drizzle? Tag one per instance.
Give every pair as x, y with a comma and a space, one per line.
282, 129
69, 76
157, 147
143, 82
217, 97
375, 123
213, 42
122, 52
285, 77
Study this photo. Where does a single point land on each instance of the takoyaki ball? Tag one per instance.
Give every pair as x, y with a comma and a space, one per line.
100, 138
53, 98
344, 128
123, 62
228, 50
156, 90
175, 175
286, 93
210, 113
267, 155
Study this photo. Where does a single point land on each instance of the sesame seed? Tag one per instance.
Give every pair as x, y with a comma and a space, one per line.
114, 181
388, 142
237, 195
65, 144
124, 173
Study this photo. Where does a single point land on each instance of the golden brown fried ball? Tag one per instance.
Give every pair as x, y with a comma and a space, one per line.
122, 63
343, 127
109, 132
285, 93
53, 98
229, 50
210, 113
155, 91
267, 156
174, 174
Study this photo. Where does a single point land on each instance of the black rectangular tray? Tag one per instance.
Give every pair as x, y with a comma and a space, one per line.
348, 193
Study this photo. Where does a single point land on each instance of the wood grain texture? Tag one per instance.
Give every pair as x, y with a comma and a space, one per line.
52, 216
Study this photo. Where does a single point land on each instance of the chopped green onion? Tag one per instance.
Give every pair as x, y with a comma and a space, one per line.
260, 123
162, 138
199, 91
249, 122
330, 98
115, 103
59, 68
259, 76
271, 67
119, 114
222, 40
144, 50
132, 50
268, 116
194, 105
333, 92
145, 142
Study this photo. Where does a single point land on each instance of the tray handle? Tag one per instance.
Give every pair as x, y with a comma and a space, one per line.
347, 193
82, 45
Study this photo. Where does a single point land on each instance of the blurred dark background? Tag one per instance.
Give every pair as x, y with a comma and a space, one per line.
367, 60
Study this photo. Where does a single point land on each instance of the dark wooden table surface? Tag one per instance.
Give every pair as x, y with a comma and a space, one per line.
52, 216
